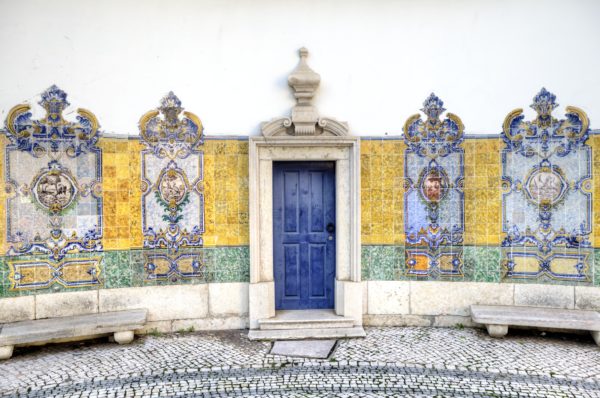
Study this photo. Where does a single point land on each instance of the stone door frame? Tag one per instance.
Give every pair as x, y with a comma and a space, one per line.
345, 152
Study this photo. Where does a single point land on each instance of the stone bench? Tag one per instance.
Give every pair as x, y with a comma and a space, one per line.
71, 328
497, 319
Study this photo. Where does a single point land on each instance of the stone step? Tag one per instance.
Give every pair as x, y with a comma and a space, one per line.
301, 334
305, 319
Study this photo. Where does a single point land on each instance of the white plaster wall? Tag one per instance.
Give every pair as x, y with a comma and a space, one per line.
228, 60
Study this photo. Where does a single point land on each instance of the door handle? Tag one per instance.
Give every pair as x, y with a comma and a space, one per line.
330, 228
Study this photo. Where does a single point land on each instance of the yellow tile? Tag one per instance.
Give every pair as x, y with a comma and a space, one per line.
3, 244
365, 147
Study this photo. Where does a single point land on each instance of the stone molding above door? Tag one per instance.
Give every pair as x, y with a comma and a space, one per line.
304, 136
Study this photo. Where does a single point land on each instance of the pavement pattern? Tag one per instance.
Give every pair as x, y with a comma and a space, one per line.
389, 362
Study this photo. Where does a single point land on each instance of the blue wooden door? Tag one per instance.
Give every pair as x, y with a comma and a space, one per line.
304, 234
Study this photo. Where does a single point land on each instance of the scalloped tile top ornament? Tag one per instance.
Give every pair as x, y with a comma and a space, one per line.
52, 133
169, 130
441, 136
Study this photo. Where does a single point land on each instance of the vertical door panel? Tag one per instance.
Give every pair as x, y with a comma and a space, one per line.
292, 270
316, 202
317, 270
290, 201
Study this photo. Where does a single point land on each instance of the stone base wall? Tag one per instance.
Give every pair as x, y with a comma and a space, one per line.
446, 304
220, 306
171, 308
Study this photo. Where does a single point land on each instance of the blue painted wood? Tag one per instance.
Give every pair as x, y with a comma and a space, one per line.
303, 250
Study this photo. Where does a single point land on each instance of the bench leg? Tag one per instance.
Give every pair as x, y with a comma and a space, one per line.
497, 330
124, 337
6, 351
596, 336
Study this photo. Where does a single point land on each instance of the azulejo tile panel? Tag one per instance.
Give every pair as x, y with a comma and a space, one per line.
434, 198
53, 185
547, 194
172, 189
97, 212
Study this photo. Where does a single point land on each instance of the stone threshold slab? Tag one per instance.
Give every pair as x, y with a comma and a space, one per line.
319, 349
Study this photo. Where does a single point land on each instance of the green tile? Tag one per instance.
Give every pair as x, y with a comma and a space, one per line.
365, 261
382, 262
117, 269
482, 262
230, 264
595, 265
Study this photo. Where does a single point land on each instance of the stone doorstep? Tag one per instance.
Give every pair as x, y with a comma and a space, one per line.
305, 319
555, 318
72, 327
302, 334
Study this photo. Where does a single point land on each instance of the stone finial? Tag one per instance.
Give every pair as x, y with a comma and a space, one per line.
304, 80
305, 118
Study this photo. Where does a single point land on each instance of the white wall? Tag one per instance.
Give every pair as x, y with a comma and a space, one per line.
228, 60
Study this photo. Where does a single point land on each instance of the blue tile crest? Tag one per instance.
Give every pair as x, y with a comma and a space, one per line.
547, 193
433, 199
53, 180
172, 184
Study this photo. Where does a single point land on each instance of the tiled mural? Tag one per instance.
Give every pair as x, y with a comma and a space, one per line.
433, 197
547, 194
53, 183
170, 206
172, 191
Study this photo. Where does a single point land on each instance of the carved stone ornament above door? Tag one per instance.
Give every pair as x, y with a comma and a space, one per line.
305, 119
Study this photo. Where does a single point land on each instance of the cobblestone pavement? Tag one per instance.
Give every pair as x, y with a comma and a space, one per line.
389, 362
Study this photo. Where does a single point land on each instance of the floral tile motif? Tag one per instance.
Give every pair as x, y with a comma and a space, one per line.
172, 190
547, 194
434, 197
